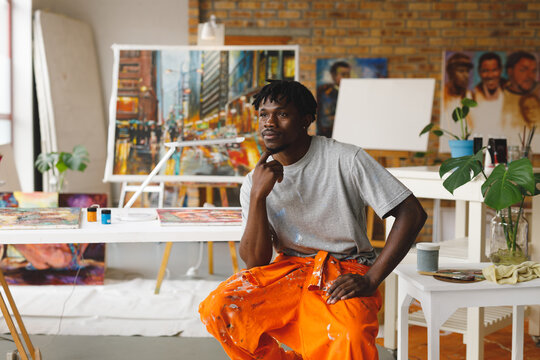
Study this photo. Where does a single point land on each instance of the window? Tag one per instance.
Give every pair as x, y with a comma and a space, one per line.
5, 72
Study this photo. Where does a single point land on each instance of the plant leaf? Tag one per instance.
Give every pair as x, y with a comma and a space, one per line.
457, 114
464, 168
45, 161
78, 159
505, 187
464, 111
438, 132
468, 102
498, 192
61, 165
426, 129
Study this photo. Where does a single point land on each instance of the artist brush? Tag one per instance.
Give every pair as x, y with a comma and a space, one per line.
529, 140
463, 277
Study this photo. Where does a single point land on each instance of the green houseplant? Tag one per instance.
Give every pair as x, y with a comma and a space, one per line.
504, 188
59, 162
459, 144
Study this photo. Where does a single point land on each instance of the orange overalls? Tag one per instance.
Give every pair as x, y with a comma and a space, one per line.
285, 301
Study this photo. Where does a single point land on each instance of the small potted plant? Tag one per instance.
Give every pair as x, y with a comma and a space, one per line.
459, 145
503, 189
59, 162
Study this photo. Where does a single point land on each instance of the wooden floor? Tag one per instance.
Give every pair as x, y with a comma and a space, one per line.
497, 346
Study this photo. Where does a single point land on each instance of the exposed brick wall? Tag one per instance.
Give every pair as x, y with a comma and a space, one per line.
412, 35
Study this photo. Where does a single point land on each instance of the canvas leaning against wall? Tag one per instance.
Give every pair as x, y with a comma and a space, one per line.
505, 84
167, 94
329, 75
52, 264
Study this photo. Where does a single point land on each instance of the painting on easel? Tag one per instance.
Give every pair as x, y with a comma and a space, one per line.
181, 93
51, 264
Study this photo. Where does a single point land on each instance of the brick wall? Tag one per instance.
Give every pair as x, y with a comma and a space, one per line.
411, 35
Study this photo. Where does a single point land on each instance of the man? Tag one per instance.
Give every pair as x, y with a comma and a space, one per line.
319, 296
488, 95
490, 70
522, 72
327, 97
521, 68
458, 68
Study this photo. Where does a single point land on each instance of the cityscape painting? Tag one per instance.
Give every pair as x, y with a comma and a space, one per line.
168, 94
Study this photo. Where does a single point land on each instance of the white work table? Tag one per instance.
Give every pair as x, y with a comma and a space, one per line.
121, 231
440, 299
468, 247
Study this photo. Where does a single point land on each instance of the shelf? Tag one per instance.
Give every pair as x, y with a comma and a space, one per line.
495, 318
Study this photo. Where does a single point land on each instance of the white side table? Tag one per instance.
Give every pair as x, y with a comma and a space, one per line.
439, 299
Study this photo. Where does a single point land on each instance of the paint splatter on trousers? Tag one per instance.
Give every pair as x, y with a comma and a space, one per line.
254, 310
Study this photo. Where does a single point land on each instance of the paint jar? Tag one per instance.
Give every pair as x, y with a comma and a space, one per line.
427, 257
106, 216
91, 214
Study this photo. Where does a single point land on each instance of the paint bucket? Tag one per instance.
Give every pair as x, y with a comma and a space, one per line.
106, 216
427, 257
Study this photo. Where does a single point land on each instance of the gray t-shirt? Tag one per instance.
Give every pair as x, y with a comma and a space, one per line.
320, 203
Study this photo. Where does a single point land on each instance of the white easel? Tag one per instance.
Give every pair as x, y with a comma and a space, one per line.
160, 189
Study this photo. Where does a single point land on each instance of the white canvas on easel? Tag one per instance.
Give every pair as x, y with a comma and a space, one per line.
384, 114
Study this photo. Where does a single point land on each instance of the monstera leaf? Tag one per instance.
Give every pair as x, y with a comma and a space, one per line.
76, 160
505, 187
464, 169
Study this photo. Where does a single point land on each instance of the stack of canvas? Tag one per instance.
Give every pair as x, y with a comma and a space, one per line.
69, 95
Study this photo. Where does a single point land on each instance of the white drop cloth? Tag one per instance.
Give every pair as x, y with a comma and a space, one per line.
117, 308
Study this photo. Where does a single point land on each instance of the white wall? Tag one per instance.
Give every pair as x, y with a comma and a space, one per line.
156, 22
23, 148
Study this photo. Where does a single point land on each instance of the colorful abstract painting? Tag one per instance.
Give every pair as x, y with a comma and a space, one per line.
200, 216
506, 86
329, 75
81, 200
168, 94
7, 200
39, 218
52, 264
36, 199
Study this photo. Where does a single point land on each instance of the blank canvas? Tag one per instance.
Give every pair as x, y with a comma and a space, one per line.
384, 114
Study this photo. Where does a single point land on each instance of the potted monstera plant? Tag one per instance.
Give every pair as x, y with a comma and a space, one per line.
460, 145
59, 162
504, 190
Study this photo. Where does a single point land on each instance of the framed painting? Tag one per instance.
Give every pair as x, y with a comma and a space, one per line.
505, 84
330, 72
165, 94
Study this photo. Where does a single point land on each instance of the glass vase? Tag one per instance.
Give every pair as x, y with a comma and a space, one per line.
508, 243
58, 183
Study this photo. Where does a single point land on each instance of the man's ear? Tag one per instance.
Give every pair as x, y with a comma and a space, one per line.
308, 119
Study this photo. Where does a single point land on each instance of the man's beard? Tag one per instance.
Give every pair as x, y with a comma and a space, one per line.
278, 149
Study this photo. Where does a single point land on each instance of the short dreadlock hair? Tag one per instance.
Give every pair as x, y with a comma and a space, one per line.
288, 91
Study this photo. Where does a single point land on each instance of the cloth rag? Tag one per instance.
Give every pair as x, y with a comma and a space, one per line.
512, 274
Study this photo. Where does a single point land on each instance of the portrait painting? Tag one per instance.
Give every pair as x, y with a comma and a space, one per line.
183, 93
505, 86
329, 75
